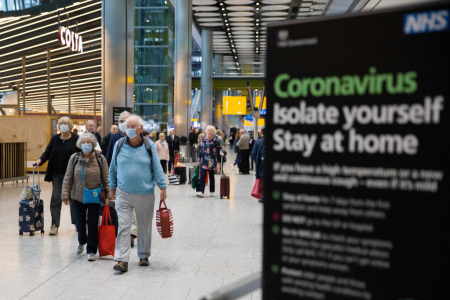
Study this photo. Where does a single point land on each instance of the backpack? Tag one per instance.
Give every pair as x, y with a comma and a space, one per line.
147, 146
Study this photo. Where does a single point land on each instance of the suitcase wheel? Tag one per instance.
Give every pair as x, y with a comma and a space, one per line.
31, 233
20, 232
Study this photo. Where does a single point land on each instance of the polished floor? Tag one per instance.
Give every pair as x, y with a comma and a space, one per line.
215, 242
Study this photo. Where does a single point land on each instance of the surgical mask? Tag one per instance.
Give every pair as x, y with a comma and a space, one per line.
86, 148
64, 127
131, 133
123, 127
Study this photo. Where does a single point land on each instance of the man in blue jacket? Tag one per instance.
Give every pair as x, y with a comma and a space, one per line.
122, 128
134, 170
258, 155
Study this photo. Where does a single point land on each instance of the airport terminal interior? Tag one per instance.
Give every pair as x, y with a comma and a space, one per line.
185, 68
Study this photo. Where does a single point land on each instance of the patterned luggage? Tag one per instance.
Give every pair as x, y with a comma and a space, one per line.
31, 212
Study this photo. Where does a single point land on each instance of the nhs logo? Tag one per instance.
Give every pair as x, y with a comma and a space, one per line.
424, 22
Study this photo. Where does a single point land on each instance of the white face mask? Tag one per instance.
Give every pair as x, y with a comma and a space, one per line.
64, 127
123, 127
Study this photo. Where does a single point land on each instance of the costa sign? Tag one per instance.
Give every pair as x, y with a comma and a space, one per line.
70, 39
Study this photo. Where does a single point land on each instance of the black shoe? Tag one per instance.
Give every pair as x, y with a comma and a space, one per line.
121, 266
144, 262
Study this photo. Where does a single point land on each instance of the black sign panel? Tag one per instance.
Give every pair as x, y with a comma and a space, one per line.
357, 190
117, 111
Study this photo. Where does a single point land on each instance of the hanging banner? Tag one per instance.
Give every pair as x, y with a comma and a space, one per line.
70, 39
234, 105
357, 166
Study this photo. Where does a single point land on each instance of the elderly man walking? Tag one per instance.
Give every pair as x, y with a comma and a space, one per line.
244, 148
134, 170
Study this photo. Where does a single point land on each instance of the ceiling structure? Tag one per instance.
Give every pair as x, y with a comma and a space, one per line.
240, 26
24, 42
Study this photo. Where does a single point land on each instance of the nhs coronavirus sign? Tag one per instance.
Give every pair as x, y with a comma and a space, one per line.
70, 39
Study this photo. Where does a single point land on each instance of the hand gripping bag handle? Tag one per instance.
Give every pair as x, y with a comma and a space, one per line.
160, 204
106, 215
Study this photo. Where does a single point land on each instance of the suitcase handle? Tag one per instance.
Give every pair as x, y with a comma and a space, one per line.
38, 171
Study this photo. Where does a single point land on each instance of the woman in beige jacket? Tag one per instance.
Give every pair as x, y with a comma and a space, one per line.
163, 151
95, 169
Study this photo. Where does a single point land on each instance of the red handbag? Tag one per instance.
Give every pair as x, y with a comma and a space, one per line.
106, 234
164, 221
258, 189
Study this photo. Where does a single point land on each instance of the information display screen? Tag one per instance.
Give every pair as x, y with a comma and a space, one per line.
234, 105
357, 140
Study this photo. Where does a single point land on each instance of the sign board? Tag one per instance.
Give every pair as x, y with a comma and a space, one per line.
357, 170
70, 39
258, 100
117, 111
234, 105
261, 123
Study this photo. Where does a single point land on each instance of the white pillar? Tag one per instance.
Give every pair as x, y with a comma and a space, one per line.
206, 97
117, 57
183, 66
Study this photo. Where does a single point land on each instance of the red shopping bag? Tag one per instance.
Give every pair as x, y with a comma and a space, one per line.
164, 221
258, 189
106, 234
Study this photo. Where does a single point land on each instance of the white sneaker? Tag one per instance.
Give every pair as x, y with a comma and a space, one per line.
91, 257
232, 167
80, 249
200, 194
211, 194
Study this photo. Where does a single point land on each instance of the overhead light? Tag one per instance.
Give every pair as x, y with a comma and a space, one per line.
256, 90
257, 24
228, 28
257, 3
257, 8
223, 8
229, 89
221, 4
148, 21
224, 14
235, 57
226, 21
257, 20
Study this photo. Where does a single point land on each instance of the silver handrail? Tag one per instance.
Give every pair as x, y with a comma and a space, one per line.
236, 289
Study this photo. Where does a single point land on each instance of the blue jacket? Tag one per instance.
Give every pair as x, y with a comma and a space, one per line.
259, 143
112, 143
259, 152
132, 171
260, 161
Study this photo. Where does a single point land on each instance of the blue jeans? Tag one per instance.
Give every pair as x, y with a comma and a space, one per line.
92, 223
238, 158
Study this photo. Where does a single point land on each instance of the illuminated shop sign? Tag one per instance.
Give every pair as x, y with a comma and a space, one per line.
70, 39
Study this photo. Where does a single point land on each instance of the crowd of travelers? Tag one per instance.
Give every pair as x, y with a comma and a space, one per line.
113, 166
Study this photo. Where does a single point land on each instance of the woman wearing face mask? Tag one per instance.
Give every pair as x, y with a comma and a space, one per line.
208, 152
163, 151
86, 170
58, 153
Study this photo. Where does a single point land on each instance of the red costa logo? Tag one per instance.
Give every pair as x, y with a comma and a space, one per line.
70, 39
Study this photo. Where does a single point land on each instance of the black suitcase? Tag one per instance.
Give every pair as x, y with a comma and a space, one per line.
31, 212
224, 185
181, 171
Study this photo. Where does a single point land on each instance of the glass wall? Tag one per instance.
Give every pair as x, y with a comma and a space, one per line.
7, 5
154, 31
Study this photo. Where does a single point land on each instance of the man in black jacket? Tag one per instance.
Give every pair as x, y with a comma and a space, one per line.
192, 141
90, 127
174, 145
105, 142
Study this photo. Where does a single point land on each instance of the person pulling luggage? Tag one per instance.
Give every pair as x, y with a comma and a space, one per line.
208, 151
86, 176
58, 153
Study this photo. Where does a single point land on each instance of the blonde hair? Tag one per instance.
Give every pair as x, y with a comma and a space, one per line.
66, 120
211, 127
201, 135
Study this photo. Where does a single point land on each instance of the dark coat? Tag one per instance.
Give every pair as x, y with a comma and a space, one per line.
112, 142
49, 153
257, 154
98, 136
193, 138
105, 143
174, 145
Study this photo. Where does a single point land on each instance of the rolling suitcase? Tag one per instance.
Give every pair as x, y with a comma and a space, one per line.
31, 211
224, 185
181, 171
191, 173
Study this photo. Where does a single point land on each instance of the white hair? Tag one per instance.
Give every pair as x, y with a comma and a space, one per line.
125, 112
141, 122
212, 128
87, 136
